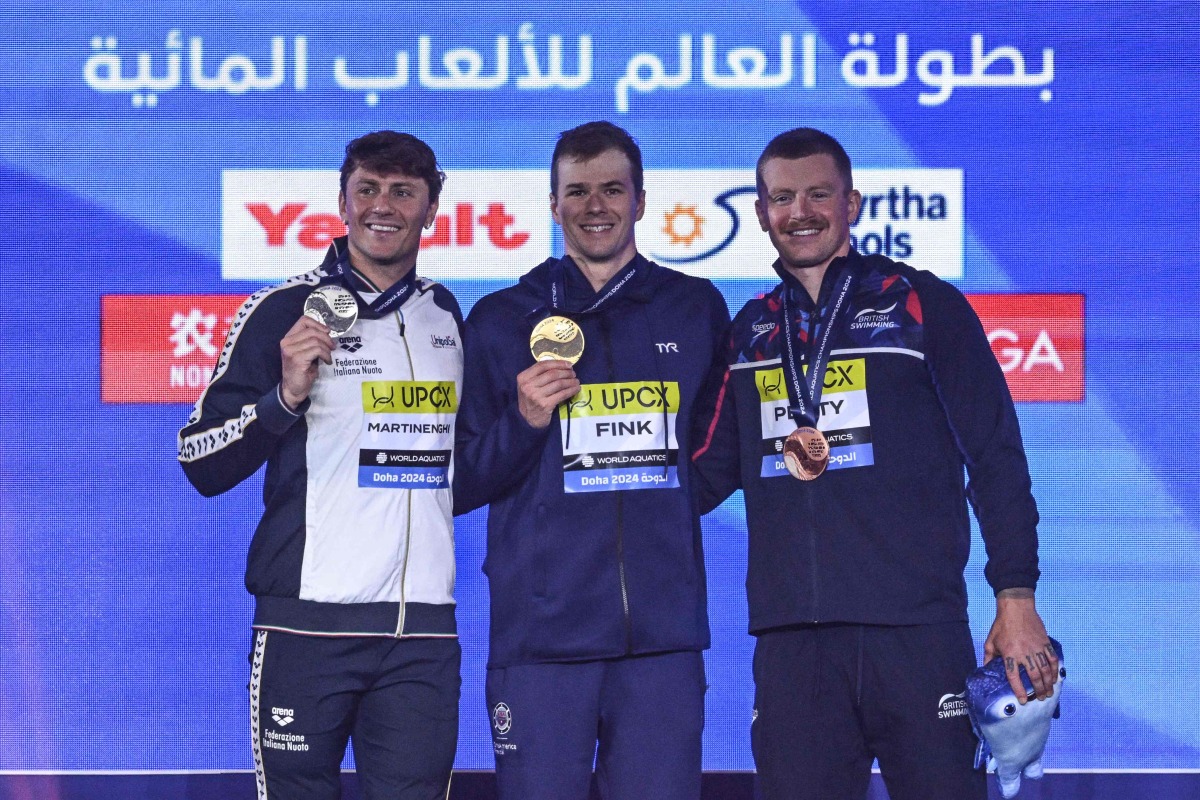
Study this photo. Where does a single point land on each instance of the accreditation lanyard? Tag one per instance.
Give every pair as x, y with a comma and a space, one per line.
804, 392
388, 300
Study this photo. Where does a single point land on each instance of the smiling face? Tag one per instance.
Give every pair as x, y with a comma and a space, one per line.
596, 204
806, 208
385, 215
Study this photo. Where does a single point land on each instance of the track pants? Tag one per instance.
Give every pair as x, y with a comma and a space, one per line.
639, 719
829, 699
397, 699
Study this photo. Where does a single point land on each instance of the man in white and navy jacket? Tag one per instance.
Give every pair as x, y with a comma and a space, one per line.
352, 563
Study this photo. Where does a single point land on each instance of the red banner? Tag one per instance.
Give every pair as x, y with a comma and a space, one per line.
1039, 341
162, 348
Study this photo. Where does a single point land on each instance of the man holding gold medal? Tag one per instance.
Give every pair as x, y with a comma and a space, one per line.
856, 392
345, 382
578, 403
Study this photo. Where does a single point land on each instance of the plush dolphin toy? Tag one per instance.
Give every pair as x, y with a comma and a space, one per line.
1011, 736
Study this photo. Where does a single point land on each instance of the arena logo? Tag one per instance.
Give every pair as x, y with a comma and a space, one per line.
278, 223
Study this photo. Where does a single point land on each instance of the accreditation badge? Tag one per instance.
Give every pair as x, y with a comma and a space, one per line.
407, 434
618, 436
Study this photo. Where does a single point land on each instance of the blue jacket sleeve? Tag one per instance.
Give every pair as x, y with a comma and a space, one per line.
979, 407
495, 448
237, 423
716, 460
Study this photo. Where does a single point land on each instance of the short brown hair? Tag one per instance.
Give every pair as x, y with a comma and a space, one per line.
387, 152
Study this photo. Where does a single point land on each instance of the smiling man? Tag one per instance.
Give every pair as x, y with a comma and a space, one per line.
856, 392
344, 382
578, 400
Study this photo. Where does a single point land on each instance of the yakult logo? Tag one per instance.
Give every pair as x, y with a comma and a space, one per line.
278, 223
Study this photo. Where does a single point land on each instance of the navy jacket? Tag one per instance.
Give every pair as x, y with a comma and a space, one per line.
912, 395
594, 546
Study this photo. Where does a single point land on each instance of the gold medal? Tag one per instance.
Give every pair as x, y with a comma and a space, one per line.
556, 338
806, 453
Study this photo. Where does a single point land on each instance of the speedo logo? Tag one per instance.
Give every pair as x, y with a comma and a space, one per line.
762, 327
409, 397
875, 318
952, 705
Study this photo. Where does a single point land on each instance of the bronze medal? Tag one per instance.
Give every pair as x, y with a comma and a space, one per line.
806, 453
556, 338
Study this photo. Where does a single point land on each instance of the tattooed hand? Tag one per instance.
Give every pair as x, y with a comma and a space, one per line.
1019, 637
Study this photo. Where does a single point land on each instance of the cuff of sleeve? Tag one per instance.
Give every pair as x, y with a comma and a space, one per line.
527, 438
275, 415
1016, 580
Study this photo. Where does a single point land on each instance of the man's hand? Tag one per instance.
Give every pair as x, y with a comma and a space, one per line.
302, 347
542, 387
1020, 638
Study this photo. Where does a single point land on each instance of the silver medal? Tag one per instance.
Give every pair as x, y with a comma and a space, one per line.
334, 307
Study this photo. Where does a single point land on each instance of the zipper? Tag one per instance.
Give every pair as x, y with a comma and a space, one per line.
612, 376
412, 376
621, 572
812, 529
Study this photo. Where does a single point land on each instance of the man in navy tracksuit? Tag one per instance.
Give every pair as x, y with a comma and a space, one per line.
857, 547
594, 559
352, 564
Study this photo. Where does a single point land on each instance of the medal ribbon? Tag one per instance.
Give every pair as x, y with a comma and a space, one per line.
388, 300
558, 287
804, 396
558, 297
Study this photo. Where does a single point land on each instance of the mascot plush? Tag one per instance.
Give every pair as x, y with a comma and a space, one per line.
1012, 736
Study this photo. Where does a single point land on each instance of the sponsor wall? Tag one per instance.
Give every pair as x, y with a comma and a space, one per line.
157, 172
